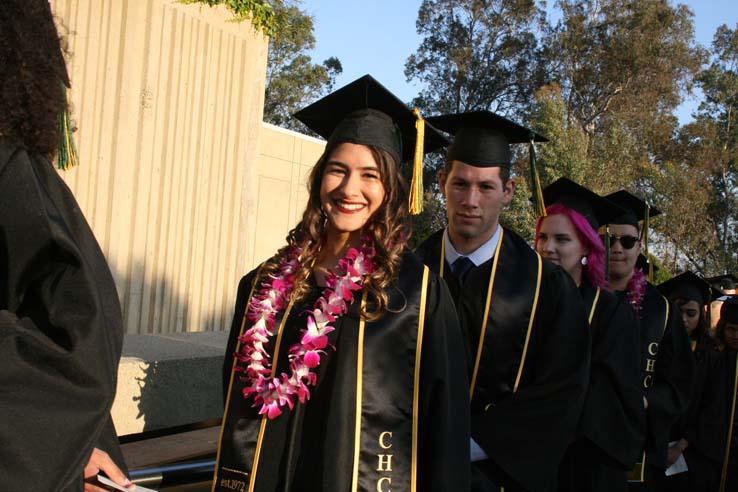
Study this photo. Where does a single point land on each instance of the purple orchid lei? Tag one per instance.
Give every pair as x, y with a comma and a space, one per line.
636, 289
273, 393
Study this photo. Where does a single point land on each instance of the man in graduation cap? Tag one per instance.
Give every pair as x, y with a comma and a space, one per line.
667, 366
61, 330
382, 404
523, 320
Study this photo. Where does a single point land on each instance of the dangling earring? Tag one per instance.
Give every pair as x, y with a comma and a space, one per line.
583, 261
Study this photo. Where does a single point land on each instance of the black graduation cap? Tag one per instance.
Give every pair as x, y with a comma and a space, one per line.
482, 138
729, 309
690, 287
596, 209
724, 282
365, 112
635, 208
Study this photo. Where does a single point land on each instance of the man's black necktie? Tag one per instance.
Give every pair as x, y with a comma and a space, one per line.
461, 267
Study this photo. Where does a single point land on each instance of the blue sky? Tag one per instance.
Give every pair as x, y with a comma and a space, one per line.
377, 36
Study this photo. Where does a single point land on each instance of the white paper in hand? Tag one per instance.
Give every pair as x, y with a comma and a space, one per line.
106, 481
679, 466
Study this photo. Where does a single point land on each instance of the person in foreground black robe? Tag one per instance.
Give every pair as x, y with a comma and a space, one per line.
611, 429
525, 328
690, 435
389, 408
60, 322
667, 366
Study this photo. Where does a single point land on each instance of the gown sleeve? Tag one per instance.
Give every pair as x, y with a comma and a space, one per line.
669, 396
60, 332
444, 398
525, 434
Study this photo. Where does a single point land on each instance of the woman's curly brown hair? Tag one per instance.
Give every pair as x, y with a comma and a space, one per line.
32, 74
388, 228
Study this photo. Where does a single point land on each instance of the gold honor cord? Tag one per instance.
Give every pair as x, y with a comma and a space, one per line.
415, 204
264, 419
230, 382
483, 331
724, 474
416, 385
530, 323
594, 306
359, 384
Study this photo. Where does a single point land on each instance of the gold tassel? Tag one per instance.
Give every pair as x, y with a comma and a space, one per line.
416, 186
538, 205
67, 154
646, 220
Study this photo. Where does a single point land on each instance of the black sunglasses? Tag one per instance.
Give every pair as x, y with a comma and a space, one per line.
627, 241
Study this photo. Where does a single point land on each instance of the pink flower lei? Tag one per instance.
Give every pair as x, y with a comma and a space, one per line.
272, 393
636, 289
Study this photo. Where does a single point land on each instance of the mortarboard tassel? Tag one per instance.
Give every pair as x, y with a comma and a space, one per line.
67, 154
416, 186
646, 220
607, 253
538, 204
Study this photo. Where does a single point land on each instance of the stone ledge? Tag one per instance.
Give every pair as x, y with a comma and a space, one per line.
169, 380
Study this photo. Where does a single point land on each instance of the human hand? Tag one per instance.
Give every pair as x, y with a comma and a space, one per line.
100, 462
673, 454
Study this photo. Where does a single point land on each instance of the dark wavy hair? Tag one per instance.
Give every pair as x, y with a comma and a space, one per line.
388, 228
32, 75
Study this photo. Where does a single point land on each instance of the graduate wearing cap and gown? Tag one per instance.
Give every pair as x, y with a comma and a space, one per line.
691, 435
525, 328
387, 409
61, 330
610, 431
724, 408
667, 366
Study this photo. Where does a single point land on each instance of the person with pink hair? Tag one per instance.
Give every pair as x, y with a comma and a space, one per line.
611, 428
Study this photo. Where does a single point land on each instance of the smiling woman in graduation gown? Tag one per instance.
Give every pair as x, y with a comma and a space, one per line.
388, 409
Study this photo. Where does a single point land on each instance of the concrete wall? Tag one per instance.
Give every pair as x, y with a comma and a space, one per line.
173, 379
168, 99
284, 165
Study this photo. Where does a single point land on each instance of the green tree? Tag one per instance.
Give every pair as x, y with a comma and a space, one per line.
704, 157
292, 79
475, 54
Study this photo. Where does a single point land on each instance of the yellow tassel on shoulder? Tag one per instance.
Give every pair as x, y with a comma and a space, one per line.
67, 155
416, 186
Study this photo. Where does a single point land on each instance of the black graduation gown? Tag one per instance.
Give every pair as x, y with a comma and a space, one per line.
667, 372
703, 473
529, 374
728, 386
60, 331
312, 448
611, 429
